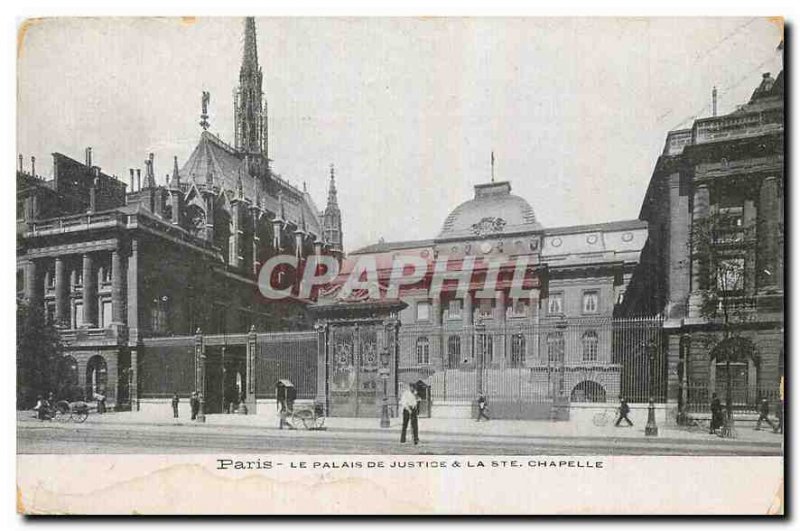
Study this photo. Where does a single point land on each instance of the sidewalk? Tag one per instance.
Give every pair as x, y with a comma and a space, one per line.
512, 429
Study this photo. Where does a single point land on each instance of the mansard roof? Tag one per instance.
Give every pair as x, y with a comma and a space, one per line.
228, 167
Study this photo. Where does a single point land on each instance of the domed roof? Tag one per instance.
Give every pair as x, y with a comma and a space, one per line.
493, 210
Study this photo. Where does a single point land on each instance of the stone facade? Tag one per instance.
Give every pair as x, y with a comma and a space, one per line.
575, 275
729, 168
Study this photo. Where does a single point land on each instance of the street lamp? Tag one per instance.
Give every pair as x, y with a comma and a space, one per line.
384, 374
651, 429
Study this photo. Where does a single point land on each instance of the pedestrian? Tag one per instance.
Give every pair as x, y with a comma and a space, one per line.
716, 414
41, 408
194, 403
624, 409
283, 411
175, 401
779, 414
483, 408
409, 401
763, 414
101, 402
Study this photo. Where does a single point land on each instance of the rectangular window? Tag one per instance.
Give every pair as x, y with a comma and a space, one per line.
105, 314
20, 280
486, 308
730, 275
519, 308
590, 301
454, 309
555, 304
423, 311
77, 315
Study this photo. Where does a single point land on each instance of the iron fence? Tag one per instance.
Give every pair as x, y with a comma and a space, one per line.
518, 362
745, 399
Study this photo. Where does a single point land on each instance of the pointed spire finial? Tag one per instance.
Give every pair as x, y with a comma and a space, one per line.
492, 165
204, 101
250, 56
176, 178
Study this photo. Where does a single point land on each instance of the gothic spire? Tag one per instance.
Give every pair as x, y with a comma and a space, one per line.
176, 178
332, 201
249, 110
250, 56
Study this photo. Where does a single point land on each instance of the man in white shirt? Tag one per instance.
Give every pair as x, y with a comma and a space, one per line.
410, 403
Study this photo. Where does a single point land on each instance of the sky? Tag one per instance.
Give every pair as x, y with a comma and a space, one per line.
408, 110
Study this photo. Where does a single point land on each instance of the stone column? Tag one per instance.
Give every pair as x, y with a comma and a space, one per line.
250, 371
132, 313
62, 312
699, 269
468, 309
32, 288
322, 364
679, 225
89, 292
116, 288
200, 373
133, 390
768, 228
749, 224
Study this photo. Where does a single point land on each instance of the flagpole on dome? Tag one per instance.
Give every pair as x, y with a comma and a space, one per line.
492, 165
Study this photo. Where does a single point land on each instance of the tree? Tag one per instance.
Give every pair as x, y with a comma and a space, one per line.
38, 355
722, 249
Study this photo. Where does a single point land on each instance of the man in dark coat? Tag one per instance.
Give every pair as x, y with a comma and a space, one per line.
194, 403
175, 401
483, 409
624, 409
763, 414
716, 414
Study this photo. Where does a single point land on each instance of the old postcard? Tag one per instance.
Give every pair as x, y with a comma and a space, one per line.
400, 266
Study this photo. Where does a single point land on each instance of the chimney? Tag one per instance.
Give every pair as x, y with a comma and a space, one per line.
138, 179
89, 157
33, 166
714, 102
133, 181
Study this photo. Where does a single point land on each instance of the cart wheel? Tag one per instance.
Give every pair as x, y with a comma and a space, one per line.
320, 422
79, 416
303, 416
58, 416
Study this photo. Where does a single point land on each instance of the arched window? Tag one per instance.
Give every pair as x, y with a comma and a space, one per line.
96, 377
589, 341
423, 351
555, 347
517, 350
453, 351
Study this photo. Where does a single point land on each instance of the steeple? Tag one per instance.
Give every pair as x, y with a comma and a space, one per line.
332, 202
176, 178
332, 219
249, 110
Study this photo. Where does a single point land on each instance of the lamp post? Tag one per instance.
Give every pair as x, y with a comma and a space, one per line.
384, 374
651, 429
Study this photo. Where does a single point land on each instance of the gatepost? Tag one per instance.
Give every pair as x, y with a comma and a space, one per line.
200, 373
250, 373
